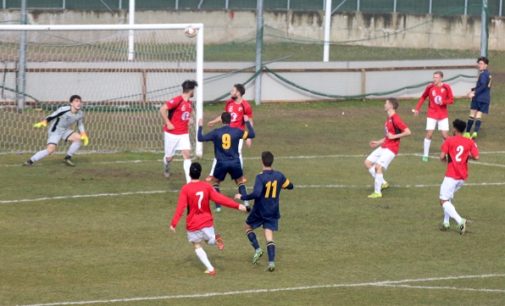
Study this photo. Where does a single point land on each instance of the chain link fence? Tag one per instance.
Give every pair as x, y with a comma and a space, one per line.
434, 7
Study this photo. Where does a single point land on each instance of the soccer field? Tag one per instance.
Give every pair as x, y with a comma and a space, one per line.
98, 233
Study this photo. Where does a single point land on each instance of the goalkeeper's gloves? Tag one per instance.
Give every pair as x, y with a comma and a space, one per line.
40, 124
84, 138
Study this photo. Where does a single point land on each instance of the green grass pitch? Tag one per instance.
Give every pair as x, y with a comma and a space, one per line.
99, 231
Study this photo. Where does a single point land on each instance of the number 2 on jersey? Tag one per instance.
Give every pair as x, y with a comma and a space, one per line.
459, 152
226, 141
271, 189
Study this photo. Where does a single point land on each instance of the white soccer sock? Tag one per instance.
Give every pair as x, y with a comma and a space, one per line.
39, 155
446, 218
451, 211
372, 171
214, 162
379, 179
186, 166
200, 252
73, 148
427, 144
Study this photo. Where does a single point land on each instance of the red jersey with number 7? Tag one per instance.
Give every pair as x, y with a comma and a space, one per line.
237, 112
194, 198
458, 150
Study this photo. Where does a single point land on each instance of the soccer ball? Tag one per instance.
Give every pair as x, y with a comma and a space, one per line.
190, 32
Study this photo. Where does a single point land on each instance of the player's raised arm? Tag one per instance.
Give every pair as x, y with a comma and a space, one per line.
201, 137
250, 134
214, 121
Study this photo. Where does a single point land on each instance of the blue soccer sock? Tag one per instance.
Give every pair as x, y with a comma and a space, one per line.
478, 122
252, 238
271, 251
469, 124
242, 189
216, 188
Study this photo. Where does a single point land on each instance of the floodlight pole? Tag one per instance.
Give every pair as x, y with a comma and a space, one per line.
484, 30
327, 28
259, 50
131, 33
21, 81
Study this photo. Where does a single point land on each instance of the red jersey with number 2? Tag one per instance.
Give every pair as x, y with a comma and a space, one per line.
237, 112
194, 198
179, 111
440, 97
458, 150
393, 125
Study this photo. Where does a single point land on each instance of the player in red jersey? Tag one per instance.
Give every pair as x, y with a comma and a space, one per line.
176, 114
194, 198
440, 95
238, 107
382, 156
456, 150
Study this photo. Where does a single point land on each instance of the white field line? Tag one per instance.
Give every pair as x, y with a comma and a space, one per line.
139, 161
444, 288
385, 283
129, 193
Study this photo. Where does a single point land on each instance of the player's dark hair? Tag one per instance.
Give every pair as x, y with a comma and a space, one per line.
484, 59
226, 118
459, 125
240, 89
394, 102
195, 170
440, 73
267, 158
188, 85
73, 97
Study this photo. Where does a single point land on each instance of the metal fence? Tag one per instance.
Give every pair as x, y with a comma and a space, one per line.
434, 7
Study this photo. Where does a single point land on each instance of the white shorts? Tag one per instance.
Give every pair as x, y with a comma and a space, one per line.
449, 187
381, 156
205, 234
56, 136
443, 124
176, 143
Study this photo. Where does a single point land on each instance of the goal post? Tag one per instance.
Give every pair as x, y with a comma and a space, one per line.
121, 96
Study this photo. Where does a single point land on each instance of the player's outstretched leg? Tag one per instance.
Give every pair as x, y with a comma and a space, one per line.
40, 155
450, 210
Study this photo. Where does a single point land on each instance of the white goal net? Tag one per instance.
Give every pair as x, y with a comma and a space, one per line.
122, 84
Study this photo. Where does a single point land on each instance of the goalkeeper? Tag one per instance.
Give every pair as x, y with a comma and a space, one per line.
60, 127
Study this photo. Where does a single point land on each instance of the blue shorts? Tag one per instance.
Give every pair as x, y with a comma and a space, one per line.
482, 107
255, 221
232, 167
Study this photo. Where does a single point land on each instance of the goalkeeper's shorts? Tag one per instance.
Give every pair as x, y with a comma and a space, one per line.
56, 136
